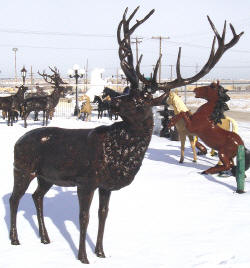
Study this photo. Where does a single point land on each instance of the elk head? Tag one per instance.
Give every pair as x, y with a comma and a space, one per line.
54, 79
138, 102
136, 106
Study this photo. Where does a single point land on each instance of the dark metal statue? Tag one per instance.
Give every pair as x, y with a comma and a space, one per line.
166, 131
47, 103
103, 106
106, 157
11, 104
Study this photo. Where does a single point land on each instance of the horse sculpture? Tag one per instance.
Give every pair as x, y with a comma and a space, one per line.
111, 93
203, 123
86, 109
106, 157
102, 106
179, 106
227, 123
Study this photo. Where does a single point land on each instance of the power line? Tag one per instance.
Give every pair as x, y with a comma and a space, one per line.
16, 31
66, 48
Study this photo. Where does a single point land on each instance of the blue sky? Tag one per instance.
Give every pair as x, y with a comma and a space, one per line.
61, 33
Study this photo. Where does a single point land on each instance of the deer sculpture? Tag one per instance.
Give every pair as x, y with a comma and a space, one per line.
12, 103
48, 103
106, 158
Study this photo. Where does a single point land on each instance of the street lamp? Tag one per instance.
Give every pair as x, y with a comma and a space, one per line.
76, 73
23, 73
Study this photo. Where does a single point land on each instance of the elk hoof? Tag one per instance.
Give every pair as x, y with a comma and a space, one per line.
15, 242
45, 241
83, 260
100, 253
194, 161
204, 173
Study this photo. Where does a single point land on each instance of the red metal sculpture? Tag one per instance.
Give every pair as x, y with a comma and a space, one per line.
203, 123
106, 157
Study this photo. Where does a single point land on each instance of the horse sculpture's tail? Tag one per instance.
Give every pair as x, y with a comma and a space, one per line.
247, 162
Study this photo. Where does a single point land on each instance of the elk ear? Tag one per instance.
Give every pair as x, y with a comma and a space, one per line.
160, 100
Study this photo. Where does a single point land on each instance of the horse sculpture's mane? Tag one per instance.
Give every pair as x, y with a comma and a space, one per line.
221, 106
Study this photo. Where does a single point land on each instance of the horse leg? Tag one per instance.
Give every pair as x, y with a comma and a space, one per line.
183, 140
191, 139
21, 183
227, 164
46, 117
42, 189
85, 197
43, 117
8, 122
104, 197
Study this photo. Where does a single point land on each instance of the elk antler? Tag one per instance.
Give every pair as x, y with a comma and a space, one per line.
125, 51
54, 79
152, 83
214, 57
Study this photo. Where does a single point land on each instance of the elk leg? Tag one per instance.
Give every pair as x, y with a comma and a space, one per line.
42, 189
21, 183
104, 197
191, 139
85, 197
25, 116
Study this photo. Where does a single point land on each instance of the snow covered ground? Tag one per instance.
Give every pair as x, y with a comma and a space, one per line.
171, 216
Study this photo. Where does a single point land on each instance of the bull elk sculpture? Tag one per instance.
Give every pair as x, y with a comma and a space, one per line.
46, 104
105, 157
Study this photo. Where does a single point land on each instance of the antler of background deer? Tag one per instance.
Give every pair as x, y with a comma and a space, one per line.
125, 51
53, 79
214, 57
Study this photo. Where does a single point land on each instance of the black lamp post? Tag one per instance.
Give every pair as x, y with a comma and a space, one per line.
76, 73
23, 73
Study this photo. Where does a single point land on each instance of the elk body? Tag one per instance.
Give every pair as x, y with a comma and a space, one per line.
12, 103
106, 158
46, 104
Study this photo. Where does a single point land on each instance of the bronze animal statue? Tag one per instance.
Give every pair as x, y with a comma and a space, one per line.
203, 123
105, 157
103, 105
86, 109
11, 104
46, 104
179, 106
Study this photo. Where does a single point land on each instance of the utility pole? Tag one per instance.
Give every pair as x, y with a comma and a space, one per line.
31, 77
160, 39
117, 79
171, 72
86, 76
136, 42
15, 50
196, 70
